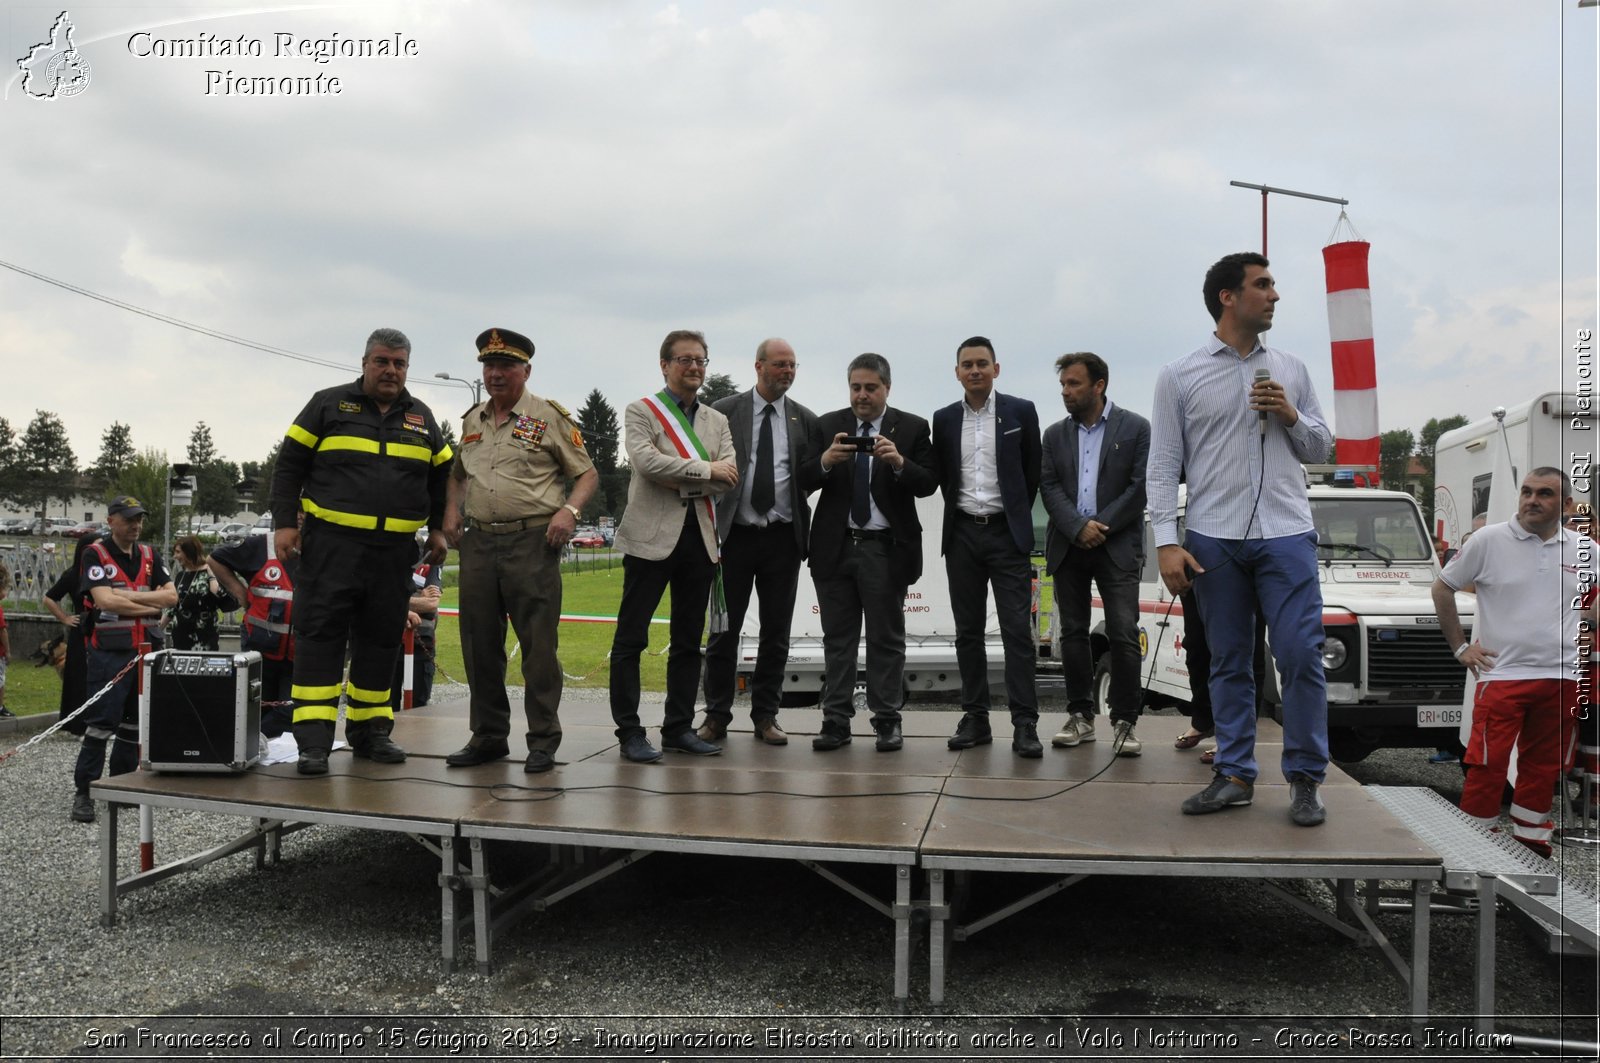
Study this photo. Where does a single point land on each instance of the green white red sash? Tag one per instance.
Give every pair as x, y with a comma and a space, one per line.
680, 432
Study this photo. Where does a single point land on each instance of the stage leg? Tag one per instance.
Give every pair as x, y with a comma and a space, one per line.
937, 937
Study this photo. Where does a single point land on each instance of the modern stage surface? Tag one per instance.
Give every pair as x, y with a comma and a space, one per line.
930, 816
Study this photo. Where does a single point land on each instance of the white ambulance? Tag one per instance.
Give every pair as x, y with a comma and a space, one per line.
1391, 678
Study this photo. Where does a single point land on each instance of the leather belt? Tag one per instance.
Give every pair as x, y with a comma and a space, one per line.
982, 518
506, 527
862, 535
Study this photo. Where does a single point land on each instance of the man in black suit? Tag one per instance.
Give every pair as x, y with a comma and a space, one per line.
763, 526
1093, 485
866, 548
988, 451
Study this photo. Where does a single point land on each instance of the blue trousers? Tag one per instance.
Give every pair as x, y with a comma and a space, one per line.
1280, 577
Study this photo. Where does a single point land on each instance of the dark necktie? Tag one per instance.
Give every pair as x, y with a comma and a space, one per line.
762, 493
861, 505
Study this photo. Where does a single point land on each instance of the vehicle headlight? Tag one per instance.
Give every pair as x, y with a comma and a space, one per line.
1334, 654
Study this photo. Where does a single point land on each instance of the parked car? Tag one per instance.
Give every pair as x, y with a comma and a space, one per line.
53, 526
16, 526
79, 530
263, 525
588, 537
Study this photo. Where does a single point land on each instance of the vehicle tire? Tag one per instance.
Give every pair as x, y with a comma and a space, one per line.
1347, 745
1102, 684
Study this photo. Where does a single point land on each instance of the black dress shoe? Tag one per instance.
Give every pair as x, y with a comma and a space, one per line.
82, 808
312, 762
381, 749
889, 740
538, 761
471, 755
691, 743
831, 738
972, 731
637, 748
1025, 741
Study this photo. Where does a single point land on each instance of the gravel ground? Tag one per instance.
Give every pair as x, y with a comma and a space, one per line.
335, 952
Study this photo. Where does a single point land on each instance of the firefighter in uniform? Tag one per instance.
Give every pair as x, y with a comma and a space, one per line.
367, 463
517, 451
128, 587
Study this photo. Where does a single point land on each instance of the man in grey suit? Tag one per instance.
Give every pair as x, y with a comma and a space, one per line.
1093, 488
763, 526
682, 458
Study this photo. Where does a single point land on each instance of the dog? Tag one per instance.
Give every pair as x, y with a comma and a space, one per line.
52, 652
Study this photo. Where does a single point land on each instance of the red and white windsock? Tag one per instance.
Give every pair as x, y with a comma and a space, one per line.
1355, 369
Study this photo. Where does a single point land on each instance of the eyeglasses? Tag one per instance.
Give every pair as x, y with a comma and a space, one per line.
692, 362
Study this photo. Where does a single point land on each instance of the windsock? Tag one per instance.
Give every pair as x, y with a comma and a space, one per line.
1355, 369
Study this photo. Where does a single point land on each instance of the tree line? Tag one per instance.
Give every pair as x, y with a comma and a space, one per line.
39, 467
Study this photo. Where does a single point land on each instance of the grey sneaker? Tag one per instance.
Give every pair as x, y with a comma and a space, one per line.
1225, 791
1305, 803
1079, 728
1122, 739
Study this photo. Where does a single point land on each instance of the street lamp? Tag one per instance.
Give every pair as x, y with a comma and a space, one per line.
476, 386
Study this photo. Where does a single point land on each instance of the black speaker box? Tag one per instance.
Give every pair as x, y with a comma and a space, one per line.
200, 711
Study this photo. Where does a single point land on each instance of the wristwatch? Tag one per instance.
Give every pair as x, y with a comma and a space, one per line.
577, 514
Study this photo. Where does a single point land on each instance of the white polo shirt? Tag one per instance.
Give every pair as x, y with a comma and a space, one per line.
1529, 594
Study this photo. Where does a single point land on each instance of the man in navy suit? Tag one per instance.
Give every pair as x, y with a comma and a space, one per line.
866, 548
763, 525
1093, 485
988, 450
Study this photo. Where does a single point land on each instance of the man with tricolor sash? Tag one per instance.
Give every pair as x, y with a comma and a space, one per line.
682, 455
367, 463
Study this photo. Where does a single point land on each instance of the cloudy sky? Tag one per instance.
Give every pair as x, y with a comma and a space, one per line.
879, 175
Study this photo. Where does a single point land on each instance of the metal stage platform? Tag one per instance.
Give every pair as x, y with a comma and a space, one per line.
1073, 813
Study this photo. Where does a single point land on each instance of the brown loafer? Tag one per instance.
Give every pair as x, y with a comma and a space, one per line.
711, 731
1209, 756
769, 732
1189, 741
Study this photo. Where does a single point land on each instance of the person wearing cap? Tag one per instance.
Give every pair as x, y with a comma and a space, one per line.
510, 518
128, 587
367, 463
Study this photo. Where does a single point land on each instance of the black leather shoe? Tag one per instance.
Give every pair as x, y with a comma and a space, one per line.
381, 749
82, 808
637, 748
471, 755
312, 762
831, 738
689, 742
889, 740
1025, 741
971, 731
538, 761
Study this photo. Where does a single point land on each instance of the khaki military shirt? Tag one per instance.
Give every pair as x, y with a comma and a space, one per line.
518, 469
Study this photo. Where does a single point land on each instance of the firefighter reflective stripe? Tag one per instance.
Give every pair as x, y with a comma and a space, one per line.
301, 436
408, 450
273, 592
365, 705
304, 713
365, 446
268, 625
358, 520
328, 693
444, 454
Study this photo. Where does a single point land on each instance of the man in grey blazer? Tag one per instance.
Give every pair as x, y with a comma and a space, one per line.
682, 458
1093, 487
763, 525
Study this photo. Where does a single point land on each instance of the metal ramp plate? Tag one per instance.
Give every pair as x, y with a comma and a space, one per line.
1466, 848
1570, 918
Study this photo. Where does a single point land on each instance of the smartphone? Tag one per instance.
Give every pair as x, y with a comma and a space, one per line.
859, 442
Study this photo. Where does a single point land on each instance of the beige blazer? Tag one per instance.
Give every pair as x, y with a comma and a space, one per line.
663, 483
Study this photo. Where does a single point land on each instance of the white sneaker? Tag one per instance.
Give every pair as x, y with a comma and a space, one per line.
1079, 728
1122, 739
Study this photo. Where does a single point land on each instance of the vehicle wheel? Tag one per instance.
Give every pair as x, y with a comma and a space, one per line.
1348, 746
1102, 684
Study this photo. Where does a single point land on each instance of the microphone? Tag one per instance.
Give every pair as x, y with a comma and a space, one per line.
1263, 375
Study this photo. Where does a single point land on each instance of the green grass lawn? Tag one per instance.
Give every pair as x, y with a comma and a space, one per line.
595, 590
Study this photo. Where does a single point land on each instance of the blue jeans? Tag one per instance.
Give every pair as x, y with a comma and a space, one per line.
1279, 575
